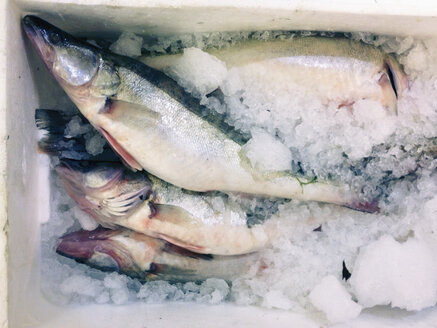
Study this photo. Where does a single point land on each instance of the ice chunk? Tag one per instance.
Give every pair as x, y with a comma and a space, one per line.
198, 72
103, 298
277, 299
128, 44
267, 153
330, 297
417, 59
85, 220
76, 127
401, 274
426, 228
81, 285
94, 144
159, 291
117, 284
177, 43
214, 290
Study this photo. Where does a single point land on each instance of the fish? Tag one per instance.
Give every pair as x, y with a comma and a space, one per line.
146, 259
117, 197
336, 69
155, 125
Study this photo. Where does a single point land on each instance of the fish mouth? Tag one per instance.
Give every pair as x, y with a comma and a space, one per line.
99, 249
95, 248
37, 31
80, 245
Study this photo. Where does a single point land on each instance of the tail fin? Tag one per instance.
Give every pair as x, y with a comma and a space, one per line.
57, 142
50, 120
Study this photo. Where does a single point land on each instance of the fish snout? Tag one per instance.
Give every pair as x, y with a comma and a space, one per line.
29, 26
94, 248
72, 62
36, 31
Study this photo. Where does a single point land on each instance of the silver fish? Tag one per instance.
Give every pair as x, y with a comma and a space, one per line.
146, 259
153, 124
116, 197
336, 70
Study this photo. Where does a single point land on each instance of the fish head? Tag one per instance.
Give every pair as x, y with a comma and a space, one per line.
131, 253
103, 249
107, 191
72, 62
77, 66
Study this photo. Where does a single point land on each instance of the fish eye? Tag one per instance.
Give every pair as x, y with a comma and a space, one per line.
54, 37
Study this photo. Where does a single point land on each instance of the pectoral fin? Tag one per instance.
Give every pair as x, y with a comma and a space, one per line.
135, 116
174, 214
127, 158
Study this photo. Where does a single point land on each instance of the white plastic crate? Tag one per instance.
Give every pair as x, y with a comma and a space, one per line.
24, 201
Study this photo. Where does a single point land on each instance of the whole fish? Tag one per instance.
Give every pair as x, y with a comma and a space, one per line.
145, 258
153, 124
117, 197
337, 70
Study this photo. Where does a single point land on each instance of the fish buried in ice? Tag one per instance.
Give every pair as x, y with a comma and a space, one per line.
145, 258
153, 124
334, 70
117, 197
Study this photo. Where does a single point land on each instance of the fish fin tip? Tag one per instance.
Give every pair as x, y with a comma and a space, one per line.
50, 120
126, 157
172, 248
365, 206
192, 248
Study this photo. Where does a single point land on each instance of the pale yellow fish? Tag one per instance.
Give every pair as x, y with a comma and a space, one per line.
146, 258
335, 69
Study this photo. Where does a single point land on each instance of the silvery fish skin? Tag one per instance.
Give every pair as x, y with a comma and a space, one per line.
145, 258
116, 197
153, 124
336, 70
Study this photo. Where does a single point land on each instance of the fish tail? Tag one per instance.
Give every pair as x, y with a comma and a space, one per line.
50, 120
56, 142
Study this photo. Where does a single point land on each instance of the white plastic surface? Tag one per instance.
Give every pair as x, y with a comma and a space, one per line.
28, 87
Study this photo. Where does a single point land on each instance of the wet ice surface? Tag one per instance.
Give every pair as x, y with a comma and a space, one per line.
377, 153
